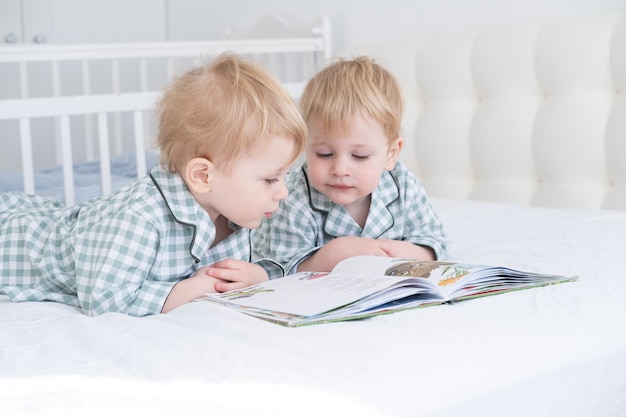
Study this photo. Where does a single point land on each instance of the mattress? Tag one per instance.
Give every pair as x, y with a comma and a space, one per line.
556, 350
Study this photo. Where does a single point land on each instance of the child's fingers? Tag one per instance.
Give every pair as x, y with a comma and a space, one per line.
228, 263
223, 273
229, 286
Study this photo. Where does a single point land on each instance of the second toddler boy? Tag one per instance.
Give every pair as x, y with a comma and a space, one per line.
351, 196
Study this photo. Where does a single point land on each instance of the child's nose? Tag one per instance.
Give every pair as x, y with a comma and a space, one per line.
282, 192
339, 167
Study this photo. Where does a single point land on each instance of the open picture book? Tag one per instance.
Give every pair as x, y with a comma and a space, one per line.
365, 286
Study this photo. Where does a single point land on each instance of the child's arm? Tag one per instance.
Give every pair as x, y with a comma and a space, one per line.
404, 249
234, 274
222, 276
344, 247
113, 260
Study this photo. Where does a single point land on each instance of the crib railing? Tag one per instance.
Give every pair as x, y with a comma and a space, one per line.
63, 108
71, 103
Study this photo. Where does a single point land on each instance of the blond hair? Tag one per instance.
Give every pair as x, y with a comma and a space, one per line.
222, 111
349, 88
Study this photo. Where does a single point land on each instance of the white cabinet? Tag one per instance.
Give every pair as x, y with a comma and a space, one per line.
82, 21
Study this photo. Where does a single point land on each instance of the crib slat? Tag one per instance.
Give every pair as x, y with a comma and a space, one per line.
89, 140
27, 156
66, 156
140, 143
105, 158
117, 117
56, 92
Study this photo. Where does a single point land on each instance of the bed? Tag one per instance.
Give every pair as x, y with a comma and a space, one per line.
524, 172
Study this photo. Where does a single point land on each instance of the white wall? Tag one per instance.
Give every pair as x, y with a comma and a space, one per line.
359, 22
355, 22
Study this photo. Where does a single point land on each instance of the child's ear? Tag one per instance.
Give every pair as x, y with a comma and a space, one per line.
393, 153
198, 175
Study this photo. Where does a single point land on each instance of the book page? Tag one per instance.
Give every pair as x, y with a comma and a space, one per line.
307, 293
440, 274
454, 280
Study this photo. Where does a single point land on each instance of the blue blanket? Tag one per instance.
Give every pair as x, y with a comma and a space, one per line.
87, 183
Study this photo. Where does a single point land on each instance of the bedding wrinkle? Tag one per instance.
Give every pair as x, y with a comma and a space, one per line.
254, 341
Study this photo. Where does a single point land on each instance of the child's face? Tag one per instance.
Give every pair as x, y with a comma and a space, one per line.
346, 165
254, 185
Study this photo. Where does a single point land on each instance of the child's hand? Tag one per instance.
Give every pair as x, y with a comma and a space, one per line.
205, 280
344, 247
403, 249
347, 246
191, 288
234, 274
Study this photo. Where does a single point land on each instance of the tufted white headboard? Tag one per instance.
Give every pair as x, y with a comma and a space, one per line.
529, 113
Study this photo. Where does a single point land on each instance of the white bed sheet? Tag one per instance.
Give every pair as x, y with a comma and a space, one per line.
551, 351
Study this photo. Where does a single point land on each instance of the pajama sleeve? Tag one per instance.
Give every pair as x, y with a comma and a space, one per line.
289, 236
423, 225
115, 267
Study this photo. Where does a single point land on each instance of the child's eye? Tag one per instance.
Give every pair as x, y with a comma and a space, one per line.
361, 157
272, 180
323, 155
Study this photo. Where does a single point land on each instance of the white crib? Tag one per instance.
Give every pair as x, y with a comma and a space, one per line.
64, 107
